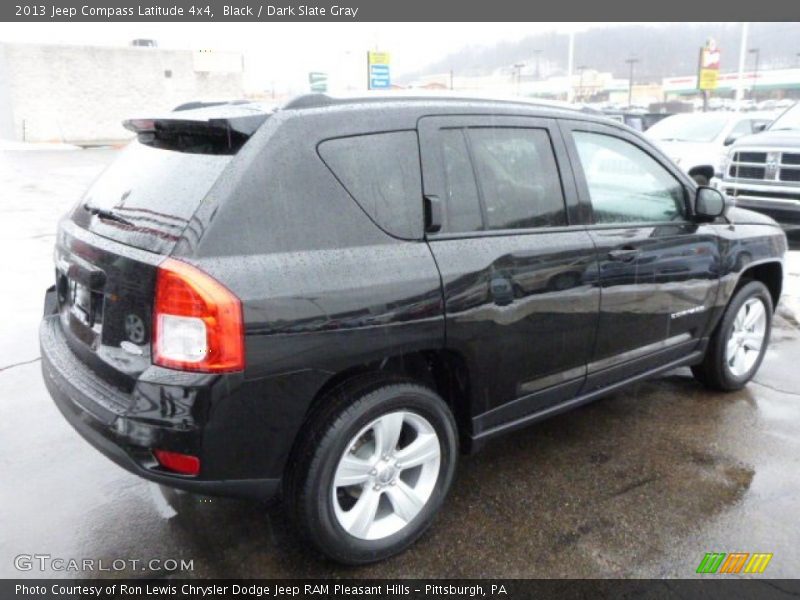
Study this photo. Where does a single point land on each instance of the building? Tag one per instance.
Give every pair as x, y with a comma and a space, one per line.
587, 85
772, 83
81, 94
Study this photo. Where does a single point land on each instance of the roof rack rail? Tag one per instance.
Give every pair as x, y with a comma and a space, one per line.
321, 100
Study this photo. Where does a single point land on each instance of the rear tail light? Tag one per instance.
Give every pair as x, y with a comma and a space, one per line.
197, 322
185, 464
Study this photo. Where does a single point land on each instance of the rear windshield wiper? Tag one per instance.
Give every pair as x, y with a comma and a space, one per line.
104, 213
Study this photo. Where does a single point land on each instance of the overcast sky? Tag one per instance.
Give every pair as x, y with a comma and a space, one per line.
285, 52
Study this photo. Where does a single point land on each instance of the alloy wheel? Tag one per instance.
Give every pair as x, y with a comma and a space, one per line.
747, 337
386, 475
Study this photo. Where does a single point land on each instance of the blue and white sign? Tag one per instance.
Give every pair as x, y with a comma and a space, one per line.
379, 77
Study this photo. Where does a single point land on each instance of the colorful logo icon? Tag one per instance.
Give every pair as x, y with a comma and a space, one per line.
733, 563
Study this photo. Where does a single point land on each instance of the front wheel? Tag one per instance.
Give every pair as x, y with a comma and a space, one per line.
374, 470
738, 345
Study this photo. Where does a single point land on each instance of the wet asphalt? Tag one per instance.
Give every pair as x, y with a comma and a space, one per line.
640, 484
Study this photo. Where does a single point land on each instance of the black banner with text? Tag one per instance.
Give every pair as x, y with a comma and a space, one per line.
408, 589
388, 10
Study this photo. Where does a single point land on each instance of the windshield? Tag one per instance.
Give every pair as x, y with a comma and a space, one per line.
702, 127
788, 120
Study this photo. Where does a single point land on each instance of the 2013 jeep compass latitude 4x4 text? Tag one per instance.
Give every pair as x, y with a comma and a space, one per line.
335, 299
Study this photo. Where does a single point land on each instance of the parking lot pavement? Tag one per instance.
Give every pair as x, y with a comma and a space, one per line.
642, 483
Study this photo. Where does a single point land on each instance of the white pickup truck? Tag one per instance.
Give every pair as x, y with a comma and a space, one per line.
762, 171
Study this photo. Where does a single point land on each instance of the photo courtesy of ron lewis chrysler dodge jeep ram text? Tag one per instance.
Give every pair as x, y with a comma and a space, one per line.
333, 300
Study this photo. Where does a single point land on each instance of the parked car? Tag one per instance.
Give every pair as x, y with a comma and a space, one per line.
638, 120
762, 171
333, 300
698, 142
193, 104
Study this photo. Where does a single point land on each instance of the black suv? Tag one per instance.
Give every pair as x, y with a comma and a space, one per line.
334, 299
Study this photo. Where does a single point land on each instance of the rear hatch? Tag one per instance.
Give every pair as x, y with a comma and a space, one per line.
110, 245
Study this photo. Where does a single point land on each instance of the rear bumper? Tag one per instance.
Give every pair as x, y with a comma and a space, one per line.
105, 416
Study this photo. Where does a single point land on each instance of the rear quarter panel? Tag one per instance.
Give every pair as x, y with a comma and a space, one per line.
323, 287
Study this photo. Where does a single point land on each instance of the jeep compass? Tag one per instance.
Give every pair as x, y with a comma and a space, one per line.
333, 300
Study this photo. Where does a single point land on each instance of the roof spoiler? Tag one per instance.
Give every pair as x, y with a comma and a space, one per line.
213, 135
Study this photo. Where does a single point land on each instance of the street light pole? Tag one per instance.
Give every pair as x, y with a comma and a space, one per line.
537, 53
742, 57
757, 52
570, 62
631, 62
581, 69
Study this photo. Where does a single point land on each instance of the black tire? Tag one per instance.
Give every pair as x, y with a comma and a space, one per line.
714, 372
341, 415
700, 179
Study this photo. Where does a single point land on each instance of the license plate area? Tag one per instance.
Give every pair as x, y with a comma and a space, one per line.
84, 304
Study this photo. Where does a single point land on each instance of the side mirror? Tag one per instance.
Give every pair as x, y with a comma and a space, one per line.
732, 138
759, 127
709, 203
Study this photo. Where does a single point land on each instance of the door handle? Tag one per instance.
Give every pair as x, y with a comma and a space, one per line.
624, 254
502, 291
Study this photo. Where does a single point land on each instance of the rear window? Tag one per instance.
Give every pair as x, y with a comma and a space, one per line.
381, 172
155, 192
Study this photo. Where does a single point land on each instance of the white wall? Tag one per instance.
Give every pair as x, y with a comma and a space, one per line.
6, 113
82, 93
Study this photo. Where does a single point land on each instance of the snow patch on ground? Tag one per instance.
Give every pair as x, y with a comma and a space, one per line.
790, 299
9, 145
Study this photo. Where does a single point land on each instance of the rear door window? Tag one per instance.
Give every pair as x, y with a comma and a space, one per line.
517, 177
382, 173
462, 204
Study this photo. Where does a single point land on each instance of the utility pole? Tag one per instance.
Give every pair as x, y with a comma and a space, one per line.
742, 58
630, 62
451, 79
757, 52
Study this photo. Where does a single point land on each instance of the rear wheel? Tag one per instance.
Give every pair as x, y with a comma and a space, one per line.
374, 469
738, 345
